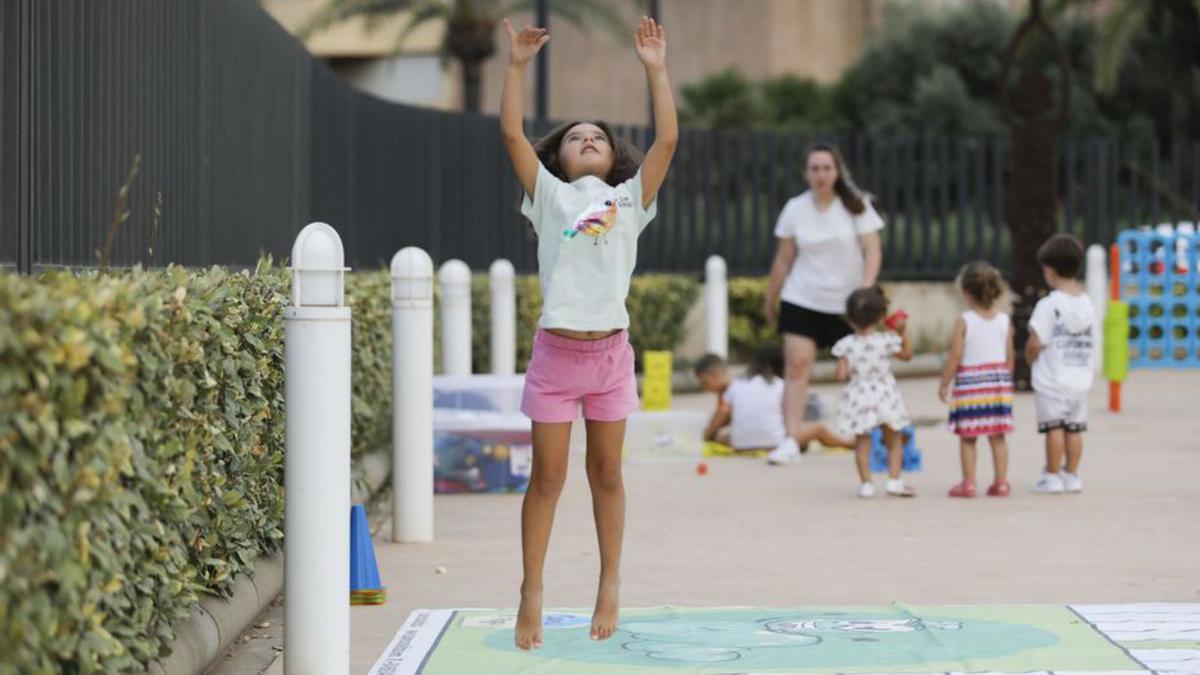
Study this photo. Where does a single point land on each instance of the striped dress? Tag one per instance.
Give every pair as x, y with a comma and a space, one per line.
982, 398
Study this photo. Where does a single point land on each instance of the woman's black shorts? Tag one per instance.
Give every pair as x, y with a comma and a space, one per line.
824, 329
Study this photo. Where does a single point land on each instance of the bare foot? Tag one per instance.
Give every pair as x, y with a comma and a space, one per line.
608, 606
528, 634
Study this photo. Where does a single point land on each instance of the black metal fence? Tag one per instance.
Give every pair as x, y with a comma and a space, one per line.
243, 138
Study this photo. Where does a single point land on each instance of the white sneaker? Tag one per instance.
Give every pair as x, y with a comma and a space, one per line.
1071, 481
866, 491
1049, 483
786, 453
897, 488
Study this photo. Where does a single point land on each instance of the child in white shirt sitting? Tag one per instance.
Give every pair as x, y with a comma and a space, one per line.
753, 408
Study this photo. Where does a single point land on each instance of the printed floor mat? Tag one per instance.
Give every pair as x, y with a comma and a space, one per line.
1134, 638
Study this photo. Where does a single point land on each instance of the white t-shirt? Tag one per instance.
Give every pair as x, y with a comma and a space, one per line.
829, 259
757, 405
1063, 324
587, 247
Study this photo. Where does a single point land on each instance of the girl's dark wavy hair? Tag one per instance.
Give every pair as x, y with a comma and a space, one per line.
627, 159
847, 191
866, 307
982, 282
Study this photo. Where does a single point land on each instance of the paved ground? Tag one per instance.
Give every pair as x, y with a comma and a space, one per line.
749, 534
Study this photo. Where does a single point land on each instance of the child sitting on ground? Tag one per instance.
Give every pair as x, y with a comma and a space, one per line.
713, 376
752, 406
872, 397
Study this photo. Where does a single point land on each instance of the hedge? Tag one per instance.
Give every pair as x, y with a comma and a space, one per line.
141, 442
748, 327
141, 457
657, 305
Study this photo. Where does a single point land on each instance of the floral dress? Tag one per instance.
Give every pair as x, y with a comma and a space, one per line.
872, 397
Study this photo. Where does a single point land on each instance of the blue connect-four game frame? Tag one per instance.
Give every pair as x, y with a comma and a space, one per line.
1161, 284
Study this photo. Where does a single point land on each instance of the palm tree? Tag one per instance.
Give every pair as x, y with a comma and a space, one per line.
1177, 25
470, 26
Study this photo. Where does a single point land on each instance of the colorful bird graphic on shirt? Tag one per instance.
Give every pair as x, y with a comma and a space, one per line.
596, 220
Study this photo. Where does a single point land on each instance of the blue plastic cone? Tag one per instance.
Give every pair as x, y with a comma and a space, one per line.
365, 588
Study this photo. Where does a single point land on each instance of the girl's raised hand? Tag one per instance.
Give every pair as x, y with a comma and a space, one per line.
525, 45
650, 43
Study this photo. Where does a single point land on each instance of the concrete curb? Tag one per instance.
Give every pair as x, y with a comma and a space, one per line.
922, 365
216, 622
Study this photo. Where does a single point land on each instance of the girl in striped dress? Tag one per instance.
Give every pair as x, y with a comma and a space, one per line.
977, 379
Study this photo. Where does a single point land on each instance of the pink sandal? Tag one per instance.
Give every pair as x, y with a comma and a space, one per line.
963, 489
1000, 489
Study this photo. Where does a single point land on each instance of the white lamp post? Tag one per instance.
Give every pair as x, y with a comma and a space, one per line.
317, 458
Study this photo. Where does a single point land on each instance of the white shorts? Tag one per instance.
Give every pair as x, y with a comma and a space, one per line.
1058, 411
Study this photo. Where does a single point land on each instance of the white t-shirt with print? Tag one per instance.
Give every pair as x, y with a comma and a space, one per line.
829, 259
1063, 324
757, 412
587, 246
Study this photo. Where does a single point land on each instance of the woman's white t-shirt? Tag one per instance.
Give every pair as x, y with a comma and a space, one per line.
757, 412
829, 259
587, 234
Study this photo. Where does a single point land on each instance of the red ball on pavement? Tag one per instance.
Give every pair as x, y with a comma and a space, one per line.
701, 468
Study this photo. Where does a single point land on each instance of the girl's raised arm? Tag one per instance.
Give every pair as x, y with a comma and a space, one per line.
651, 46
523, 46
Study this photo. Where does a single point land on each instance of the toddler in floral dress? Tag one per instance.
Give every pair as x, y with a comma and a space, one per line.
872, 397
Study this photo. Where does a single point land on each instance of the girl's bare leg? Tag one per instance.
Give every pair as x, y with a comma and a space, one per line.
604, 441
549, 473
999, 456
862, 457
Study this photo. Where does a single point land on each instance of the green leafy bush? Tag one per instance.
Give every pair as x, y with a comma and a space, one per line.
657, 306
748, 327
141, 451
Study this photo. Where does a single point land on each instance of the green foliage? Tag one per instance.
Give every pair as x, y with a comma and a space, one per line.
727, 100
141, 451
657, 306
748, 327
937, 72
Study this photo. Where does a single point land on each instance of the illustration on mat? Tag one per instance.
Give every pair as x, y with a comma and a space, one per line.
1024, 638
825, 638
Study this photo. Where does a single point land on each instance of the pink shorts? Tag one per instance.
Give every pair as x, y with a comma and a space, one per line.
565, 372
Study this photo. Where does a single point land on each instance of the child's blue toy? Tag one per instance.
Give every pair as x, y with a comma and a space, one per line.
1161, 284
912, 454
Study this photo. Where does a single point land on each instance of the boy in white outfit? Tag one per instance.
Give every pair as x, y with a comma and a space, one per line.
1061, 350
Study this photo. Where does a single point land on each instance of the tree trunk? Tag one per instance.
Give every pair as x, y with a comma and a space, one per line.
1032, 202
472, 82
471, 39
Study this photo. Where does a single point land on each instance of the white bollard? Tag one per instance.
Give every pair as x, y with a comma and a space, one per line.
317, 459
412, 397
716, 307
1098, 291
455, 281
504, 318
